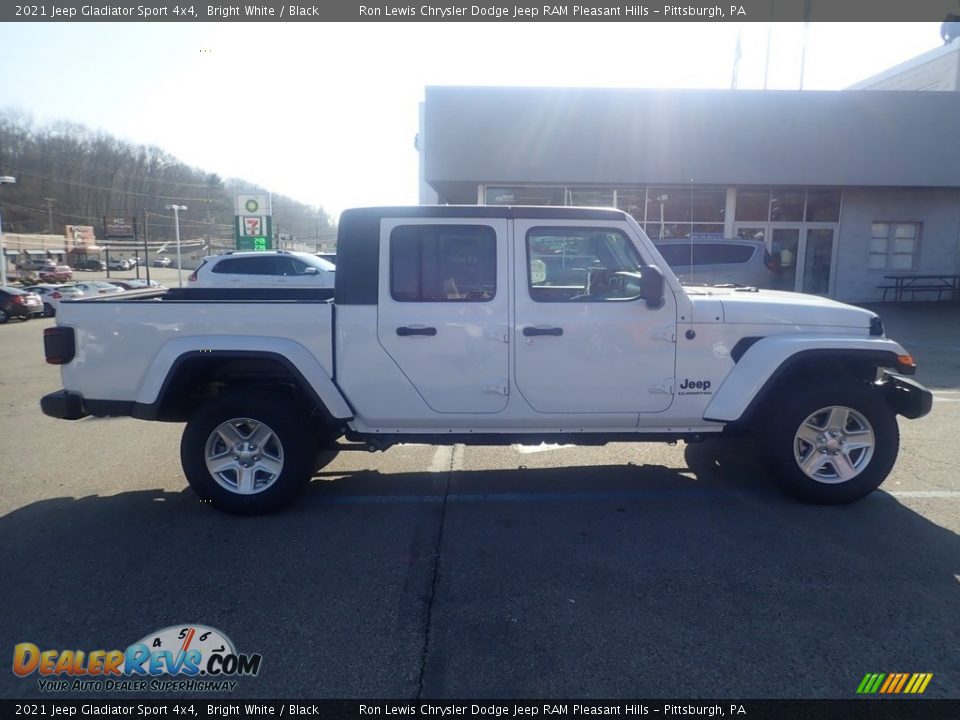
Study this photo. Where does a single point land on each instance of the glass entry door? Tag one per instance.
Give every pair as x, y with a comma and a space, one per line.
785, 247
817, 261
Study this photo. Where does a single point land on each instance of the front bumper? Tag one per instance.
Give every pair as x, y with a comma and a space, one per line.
908, 397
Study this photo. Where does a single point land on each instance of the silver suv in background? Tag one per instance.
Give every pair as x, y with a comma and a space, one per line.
272, 268
721, 262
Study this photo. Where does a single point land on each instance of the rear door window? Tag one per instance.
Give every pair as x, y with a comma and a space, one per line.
443, 263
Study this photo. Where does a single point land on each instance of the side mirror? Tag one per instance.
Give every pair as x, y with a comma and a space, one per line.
651, 286
310, 271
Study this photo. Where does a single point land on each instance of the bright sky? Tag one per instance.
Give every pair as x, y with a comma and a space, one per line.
326, 113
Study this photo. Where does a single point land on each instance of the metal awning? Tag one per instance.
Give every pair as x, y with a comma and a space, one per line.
10, 252
35, 252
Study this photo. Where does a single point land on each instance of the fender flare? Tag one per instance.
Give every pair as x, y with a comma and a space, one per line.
769, 358
303, 365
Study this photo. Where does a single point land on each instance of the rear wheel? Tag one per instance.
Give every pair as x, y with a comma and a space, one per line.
48, 310
247, 453
3, 317
834, 444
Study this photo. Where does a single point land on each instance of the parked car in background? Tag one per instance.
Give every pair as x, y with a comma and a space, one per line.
55, 274
142, 284
89, 264
97, 287
720, 262
15, 302
161, 262
134, 284
51, 295
119, 264
279, 268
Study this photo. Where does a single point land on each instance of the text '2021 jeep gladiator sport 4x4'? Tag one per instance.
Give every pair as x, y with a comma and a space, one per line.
489, 325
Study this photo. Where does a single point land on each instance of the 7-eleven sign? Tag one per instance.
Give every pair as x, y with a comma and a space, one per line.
251, 226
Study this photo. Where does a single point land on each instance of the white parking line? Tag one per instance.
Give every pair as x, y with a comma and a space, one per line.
924, 493
542, 447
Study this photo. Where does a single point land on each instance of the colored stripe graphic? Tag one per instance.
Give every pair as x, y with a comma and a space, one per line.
894, 683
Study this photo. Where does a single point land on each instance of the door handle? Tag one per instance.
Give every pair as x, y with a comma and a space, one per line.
404, 331
533, 331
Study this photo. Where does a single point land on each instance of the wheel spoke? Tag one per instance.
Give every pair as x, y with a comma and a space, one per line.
838, 417
814, 462
270, 465
245, 478
808, 433
261, 436
841, 463
222, 464
229, 434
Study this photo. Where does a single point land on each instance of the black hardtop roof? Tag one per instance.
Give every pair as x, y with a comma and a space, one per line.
546, 212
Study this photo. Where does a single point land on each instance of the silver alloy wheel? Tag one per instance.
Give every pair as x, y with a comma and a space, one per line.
244, 456
834, 444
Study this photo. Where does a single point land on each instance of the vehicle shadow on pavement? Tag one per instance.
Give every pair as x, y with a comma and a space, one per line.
595, 581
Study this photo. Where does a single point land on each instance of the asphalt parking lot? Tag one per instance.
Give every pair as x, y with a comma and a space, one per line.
634, 570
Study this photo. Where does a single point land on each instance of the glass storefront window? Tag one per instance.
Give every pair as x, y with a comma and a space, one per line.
590, 198
632, 201
823, 205
709, 205
673, 203
524, 195
753, 205
786, 206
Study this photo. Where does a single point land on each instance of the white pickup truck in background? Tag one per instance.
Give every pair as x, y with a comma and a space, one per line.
489, 325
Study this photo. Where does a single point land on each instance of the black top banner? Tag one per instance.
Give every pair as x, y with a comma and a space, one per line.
860, 11
200, 708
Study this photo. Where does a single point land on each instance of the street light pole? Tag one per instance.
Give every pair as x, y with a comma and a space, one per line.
176, 222
4, 180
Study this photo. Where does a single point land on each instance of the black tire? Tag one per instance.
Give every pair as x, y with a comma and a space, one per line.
291, 430
26, 317
48, 310
3, 317
867, 412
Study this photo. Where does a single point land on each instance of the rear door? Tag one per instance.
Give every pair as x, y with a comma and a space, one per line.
443, 309
585, 342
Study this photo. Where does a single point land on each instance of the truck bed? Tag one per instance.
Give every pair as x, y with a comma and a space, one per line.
125, 343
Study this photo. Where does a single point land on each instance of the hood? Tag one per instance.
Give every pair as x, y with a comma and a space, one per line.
778, 307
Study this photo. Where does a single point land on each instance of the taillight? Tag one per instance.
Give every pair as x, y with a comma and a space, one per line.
193, 276
55, 295
59, 345
18, 299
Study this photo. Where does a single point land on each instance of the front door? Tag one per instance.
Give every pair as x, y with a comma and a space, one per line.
817, 261
585, 342
443, 310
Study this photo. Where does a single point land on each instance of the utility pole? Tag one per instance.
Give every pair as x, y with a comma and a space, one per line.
146, 247
176, 224
50, 202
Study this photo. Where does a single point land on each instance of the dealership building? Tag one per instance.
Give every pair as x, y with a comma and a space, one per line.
845, 188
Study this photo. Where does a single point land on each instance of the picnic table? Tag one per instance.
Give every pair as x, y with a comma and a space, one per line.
912, 284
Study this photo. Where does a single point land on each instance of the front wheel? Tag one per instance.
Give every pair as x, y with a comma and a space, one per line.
247, 453
834, 444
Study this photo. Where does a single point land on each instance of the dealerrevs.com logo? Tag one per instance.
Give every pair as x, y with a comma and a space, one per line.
177, 658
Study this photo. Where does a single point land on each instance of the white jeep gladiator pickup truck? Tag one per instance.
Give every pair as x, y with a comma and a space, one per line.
488, 325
